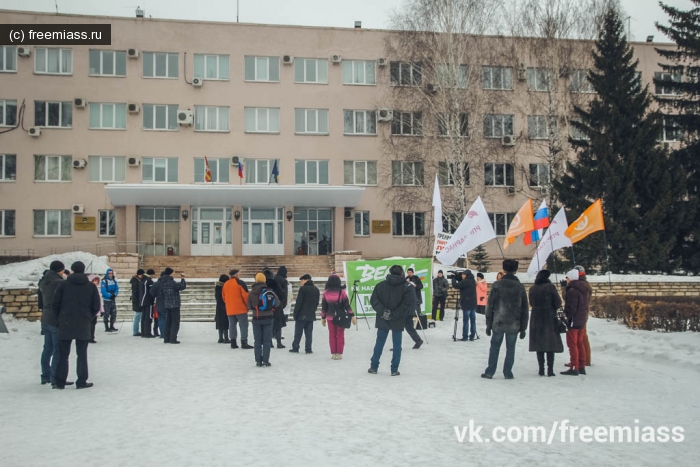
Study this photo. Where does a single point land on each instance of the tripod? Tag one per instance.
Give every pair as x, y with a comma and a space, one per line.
353, 299
454, 333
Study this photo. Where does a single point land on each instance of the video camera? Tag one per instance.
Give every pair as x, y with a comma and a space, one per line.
456, 275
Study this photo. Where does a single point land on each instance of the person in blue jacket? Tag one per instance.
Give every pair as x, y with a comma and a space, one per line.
109, 289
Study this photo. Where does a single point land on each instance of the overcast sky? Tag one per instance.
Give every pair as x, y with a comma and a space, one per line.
342, 13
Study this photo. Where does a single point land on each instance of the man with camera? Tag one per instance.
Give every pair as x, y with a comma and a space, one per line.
467, 300
391, 301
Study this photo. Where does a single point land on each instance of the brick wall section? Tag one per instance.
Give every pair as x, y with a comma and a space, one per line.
125, 265
22, 303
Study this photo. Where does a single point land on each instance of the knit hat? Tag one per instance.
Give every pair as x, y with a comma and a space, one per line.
140, 272
57, 266
572, 275
440, 272
233, 272
581, 271
223, 278
150, 272
260, 278
479, 275
410, 269
168, 271
78, 267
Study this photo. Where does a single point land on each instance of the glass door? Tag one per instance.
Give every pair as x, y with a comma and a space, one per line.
263, 231
211, 232
159, 230
313, 231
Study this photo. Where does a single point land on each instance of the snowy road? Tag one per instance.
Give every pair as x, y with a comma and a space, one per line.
201, 403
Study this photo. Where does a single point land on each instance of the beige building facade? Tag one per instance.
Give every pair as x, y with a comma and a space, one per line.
102, 145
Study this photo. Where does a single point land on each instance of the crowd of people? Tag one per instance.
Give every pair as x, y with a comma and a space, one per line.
72, 301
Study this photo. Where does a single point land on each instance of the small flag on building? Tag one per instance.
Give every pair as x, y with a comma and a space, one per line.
240, 170
207, 170
275, 175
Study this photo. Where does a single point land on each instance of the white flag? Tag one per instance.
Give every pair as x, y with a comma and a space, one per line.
552, 240
437, 204
474, 230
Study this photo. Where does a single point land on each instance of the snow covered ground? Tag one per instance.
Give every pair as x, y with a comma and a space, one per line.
28, 273
201, 403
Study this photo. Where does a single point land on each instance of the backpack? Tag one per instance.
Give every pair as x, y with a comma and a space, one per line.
341, 317
267, 301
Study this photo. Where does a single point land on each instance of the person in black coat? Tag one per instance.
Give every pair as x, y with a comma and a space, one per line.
136, 299
412, 313
278, 317
221, 317
171, 296
74, 303
49, 326
440, 289
544, 338
391, 301
308, 298
281, 279
146, 301
418, 286
467, 300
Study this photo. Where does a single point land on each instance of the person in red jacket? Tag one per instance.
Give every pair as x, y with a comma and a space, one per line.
235, 296
482, 291
576, 310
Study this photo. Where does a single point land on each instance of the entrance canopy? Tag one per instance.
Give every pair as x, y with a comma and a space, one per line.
234, 195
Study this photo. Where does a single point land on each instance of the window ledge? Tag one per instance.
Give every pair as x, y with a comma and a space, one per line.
8, 71
311, 134
262, 132
52, 236
213, 131
359, 134
159, 129
53, 181
106, 76
55, 127
52, 74
3, 180
258, 81
161, 77
106, 182
108, 129
358, 84
309, 82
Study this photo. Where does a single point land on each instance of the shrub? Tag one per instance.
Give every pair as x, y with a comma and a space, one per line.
669, 314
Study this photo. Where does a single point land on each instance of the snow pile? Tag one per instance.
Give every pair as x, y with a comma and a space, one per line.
28, 273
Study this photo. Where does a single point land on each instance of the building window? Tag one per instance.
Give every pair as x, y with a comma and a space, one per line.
362, 223
497, 77
159, 170
266, 69
160, 65
447, 173
53, 114
453, 124
359, 122
408, 224
537, 127
214, 67
7, 223
53, 61
107, 63
360, 72
671, 130
539, 79
259, 170
450, 223
578, 134
360, 172
497, 126
262, 120
219, 170
501, 221
8, 167
660, 89
311, 172
539, 175
107, 169
53, 168
52, 223
407, 123
8, 112
207, 118
498, 174
8, 58
107, 116
311, 70
579, 82
404, 173
406, 74
159, 117
311, 121
449, 75
108, 223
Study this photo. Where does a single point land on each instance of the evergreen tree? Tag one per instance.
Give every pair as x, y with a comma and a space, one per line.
619, 160
684, 30
479, 259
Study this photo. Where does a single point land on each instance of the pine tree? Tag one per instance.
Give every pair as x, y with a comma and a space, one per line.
619, 161
479, 259
684, 30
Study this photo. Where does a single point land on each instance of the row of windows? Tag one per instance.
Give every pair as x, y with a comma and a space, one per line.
112, 169
55, 222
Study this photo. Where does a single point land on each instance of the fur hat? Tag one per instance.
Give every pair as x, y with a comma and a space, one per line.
150, 272
78, 267
572, 275
260, 278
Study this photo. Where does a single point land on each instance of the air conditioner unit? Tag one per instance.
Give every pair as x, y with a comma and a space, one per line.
385, 115
79, 103
134, 162
508, 140
184, 117
431, 88
381, 61
522, 72
348, 213
197, 82
235, 160
336, 59
79, 163
133, 53
544, 190
78, 209
34, 131
510, 190
287, 59
134, 108
24, 51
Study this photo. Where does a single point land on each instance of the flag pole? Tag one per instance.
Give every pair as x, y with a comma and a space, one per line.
607, 262
428, 240
499, 247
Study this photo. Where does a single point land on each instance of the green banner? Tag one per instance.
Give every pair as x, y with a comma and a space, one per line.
365, 275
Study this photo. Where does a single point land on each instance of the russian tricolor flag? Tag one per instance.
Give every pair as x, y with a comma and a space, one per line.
541, 222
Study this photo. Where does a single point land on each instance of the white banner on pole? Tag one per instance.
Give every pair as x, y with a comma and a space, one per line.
474, 230
553, 239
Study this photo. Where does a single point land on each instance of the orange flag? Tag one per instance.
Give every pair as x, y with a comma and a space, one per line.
521, 223
590, 221
207, 170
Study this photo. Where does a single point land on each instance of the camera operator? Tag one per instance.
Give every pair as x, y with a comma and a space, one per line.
467, 300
